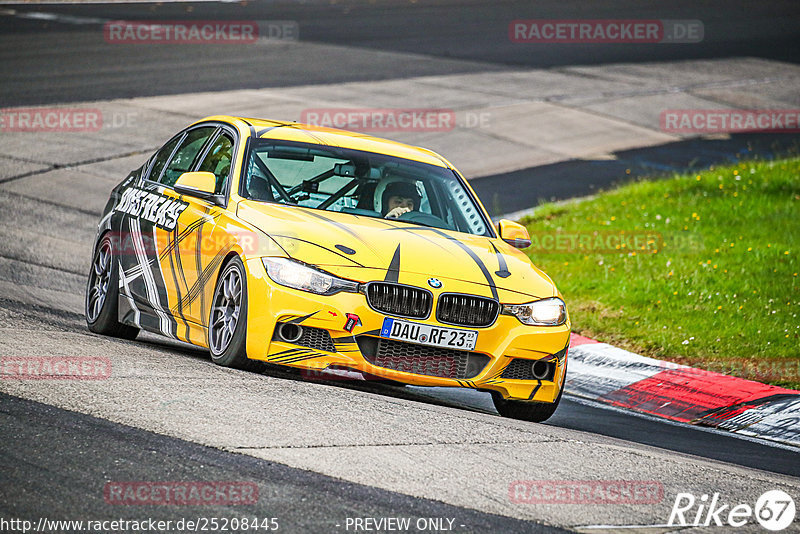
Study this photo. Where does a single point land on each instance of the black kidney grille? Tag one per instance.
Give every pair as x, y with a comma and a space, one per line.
396, 299
466, 310
421, 359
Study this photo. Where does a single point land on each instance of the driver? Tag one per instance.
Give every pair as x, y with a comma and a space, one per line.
399, 198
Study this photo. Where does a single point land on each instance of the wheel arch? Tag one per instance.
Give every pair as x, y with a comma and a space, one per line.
224, 263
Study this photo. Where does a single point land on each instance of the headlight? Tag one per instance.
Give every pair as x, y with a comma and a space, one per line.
296, 275
545, 312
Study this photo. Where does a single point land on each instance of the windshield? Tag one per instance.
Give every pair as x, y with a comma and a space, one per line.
359, 183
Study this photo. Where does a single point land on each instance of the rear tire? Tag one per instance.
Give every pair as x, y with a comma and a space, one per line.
102, 294
536, 412
227, 323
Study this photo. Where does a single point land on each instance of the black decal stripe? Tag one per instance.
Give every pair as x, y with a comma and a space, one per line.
294, 353
312, 356
502, 268
393, 272
318, 245
161, 284
286, 361
298, 320
154, 292
300, 356
198, 258
173, 235
342, 227
280, 360
179, 262
197, 288
282, 353
371, 332
533, 393
474, 257
463, 247
183, 235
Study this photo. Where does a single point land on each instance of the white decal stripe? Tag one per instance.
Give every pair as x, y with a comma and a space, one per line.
149, 279
125, 291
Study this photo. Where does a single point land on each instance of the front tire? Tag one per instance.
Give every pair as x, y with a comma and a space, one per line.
536, 412
227, 323
102, 294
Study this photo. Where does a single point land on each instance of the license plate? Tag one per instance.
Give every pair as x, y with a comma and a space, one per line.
424, 334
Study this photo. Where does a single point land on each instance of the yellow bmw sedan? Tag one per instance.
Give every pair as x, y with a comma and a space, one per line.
289, 244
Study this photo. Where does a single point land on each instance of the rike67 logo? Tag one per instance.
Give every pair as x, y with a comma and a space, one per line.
774, 510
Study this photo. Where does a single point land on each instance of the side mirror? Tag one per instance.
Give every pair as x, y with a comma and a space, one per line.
513, 233
197, 184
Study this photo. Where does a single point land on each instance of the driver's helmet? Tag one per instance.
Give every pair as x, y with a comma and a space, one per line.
392, 186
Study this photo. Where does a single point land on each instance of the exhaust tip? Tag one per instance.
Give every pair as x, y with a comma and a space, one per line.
289, 332
540, 369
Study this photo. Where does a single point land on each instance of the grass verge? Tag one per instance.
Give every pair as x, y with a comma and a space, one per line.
700, 269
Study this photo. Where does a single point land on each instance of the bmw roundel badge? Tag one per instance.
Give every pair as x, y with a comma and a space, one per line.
435, 283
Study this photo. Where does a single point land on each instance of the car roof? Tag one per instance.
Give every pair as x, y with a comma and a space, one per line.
309, 133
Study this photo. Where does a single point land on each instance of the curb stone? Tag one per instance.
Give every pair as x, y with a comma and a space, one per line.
611, 375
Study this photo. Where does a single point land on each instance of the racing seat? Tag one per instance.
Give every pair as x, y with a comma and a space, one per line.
258, 188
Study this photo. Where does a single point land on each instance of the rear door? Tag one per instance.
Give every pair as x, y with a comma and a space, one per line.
199, 245
156, 220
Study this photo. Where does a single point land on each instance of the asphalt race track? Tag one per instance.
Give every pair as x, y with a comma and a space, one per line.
324, 451
416, 38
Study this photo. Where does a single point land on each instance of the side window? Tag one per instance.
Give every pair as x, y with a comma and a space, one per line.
218, 160
182, 160
161, 158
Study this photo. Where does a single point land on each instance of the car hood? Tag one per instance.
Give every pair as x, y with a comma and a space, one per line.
365, 248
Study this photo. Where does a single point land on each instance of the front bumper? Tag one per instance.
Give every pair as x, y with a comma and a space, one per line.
505, 340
